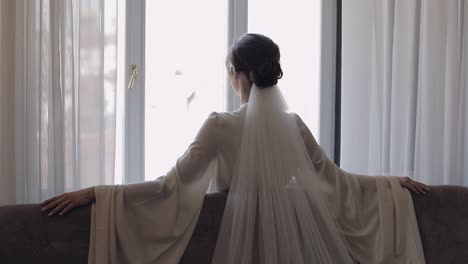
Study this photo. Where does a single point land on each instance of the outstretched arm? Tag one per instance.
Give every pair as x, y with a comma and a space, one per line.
187, 169
322, 163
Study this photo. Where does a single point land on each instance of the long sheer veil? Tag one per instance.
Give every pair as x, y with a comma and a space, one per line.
275, 212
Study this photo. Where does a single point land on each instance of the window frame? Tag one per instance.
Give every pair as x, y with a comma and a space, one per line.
134, 134
134, 117
134, 114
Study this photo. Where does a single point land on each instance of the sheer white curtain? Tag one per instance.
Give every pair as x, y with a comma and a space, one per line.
7, 80
404, 106
64, 70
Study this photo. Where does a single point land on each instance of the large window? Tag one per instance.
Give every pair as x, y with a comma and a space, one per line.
179, 48
185, 76
295, 26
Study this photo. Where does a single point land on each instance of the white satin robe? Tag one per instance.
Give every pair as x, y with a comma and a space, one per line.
152, 222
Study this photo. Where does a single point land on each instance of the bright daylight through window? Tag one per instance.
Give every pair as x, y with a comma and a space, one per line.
185, 77
295, 26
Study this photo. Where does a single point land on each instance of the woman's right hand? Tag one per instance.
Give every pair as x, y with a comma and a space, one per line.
62, 204
415, 186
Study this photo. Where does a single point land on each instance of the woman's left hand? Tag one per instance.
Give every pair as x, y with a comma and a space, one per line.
417, 187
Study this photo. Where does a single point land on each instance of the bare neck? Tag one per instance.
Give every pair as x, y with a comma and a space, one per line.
245, 92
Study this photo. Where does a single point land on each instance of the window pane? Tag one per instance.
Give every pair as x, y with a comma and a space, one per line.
185, 75
295, 26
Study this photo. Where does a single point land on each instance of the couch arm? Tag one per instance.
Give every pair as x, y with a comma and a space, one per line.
30, 236
442, 217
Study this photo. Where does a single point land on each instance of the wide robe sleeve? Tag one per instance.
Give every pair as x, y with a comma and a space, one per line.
375, 214
152, 222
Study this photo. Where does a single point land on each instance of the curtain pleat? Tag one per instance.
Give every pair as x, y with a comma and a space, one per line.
64, 82
411, 97
7, 92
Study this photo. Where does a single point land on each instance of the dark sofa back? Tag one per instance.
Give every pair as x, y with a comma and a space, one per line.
29, 236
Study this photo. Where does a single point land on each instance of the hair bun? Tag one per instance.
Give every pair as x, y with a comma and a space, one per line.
266, 74
258, 56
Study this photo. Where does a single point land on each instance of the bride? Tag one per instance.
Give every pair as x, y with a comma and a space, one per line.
287, 203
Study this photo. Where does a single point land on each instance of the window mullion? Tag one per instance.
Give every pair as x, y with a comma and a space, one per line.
328, 80
238, 25
134, 99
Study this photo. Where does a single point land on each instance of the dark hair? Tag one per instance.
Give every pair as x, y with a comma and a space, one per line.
259, 57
